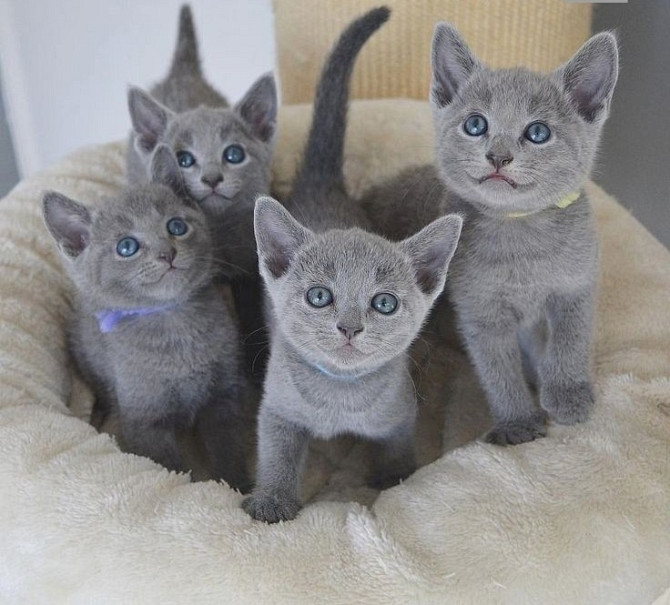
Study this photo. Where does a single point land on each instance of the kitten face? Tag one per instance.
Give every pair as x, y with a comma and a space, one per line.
145, 247
222, 152
349, 300
513, 140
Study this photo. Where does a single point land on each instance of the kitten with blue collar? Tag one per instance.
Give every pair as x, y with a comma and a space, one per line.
344, 307
513, 149
150, 331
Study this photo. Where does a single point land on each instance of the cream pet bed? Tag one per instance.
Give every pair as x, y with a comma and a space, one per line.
582, 516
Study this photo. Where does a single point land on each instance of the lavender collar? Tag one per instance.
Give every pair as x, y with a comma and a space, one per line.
109, 318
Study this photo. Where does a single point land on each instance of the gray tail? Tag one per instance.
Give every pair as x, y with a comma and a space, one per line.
321, 167
186, 58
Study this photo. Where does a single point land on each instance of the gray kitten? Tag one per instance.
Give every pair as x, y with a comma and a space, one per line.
150, 332
225, 156
513, 150
224, 153
345, 307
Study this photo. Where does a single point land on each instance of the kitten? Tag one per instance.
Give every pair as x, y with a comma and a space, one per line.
225, 156
150, 332
345, 307
513, 151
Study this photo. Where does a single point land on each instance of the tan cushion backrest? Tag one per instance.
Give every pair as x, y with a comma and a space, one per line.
540, 34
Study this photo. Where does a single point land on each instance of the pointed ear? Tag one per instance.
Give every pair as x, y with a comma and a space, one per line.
431, 251
453, 64
278, 237
68, 222
589, 77
258, 108
149, 119
165, 171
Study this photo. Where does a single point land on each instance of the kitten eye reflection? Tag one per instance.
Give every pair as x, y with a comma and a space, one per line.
185, 158
127, 246
384, 303
537, 133
476, 125
177, 227
319, 296
234, 154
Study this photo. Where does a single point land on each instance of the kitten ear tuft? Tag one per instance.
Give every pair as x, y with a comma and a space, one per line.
590, 76
149, 119
165, 171
278, 237
453, 64
258, 108
69, 222
431, 251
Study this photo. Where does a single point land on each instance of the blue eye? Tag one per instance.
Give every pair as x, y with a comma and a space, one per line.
127, 246
384, 303
476, 125
233, 154
176, 226
319, 296
537, 132
185, 158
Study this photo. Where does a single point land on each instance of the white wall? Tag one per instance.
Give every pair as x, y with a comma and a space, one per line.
66, 64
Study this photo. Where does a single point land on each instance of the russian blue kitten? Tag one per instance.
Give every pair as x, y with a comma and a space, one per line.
224, 153
150, 332
513, 151
344, 307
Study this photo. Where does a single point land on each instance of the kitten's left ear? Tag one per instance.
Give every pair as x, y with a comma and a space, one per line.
589, 77
431, 251
165, 171
258, 108
278, 236
69, 222
453, 64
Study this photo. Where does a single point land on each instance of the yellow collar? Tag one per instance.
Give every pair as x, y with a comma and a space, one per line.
564, 203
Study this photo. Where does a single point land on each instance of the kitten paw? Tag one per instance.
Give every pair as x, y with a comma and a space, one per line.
519, 431
568, 404
271, 507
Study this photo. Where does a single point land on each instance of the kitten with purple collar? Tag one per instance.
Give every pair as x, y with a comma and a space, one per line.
150, 331
344, 307
513, 149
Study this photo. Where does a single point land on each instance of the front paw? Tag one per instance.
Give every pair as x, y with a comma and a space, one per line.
514, 432
271, 507
567, 404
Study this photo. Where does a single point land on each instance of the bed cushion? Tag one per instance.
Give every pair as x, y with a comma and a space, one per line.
582, 516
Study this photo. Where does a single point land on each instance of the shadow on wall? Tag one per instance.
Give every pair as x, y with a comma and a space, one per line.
9, 175
635, 147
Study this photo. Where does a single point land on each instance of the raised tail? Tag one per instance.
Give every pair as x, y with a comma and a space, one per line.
186, 58
321, 167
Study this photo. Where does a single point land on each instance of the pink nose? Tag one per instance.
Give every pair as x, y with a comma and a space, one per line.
167, 255
350, 331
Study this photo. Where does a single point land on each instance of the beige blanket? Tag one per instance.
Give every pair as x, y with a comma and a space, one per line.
582, 516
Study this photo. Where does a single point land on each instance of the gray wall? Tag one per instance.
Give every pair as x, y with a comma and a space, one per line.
8, 173
635, 151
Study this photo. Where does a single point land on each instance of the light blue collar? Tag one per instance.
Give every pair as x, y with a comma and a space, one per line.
109, 318
340, 377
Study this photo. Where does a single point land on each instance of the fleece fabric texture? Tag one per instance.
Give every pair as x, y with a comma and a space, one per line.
582, 516
395, 62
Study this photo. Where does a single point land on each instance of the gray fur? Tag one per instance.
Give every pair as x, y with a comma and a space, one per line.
523, 287
162, 371
340, 368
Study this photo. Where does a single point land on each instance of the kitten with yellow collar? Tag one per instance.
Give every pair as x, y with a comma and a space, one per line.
513, 149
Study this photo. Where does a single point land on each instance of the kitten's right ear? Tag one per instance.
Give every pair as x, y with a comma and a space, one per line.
431, 251
69, 222
165, 171
278, 236
149, 119
453, 64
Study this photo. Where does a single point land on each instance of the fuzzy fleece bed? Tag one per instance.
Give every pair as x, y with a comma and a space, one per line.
582, 516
